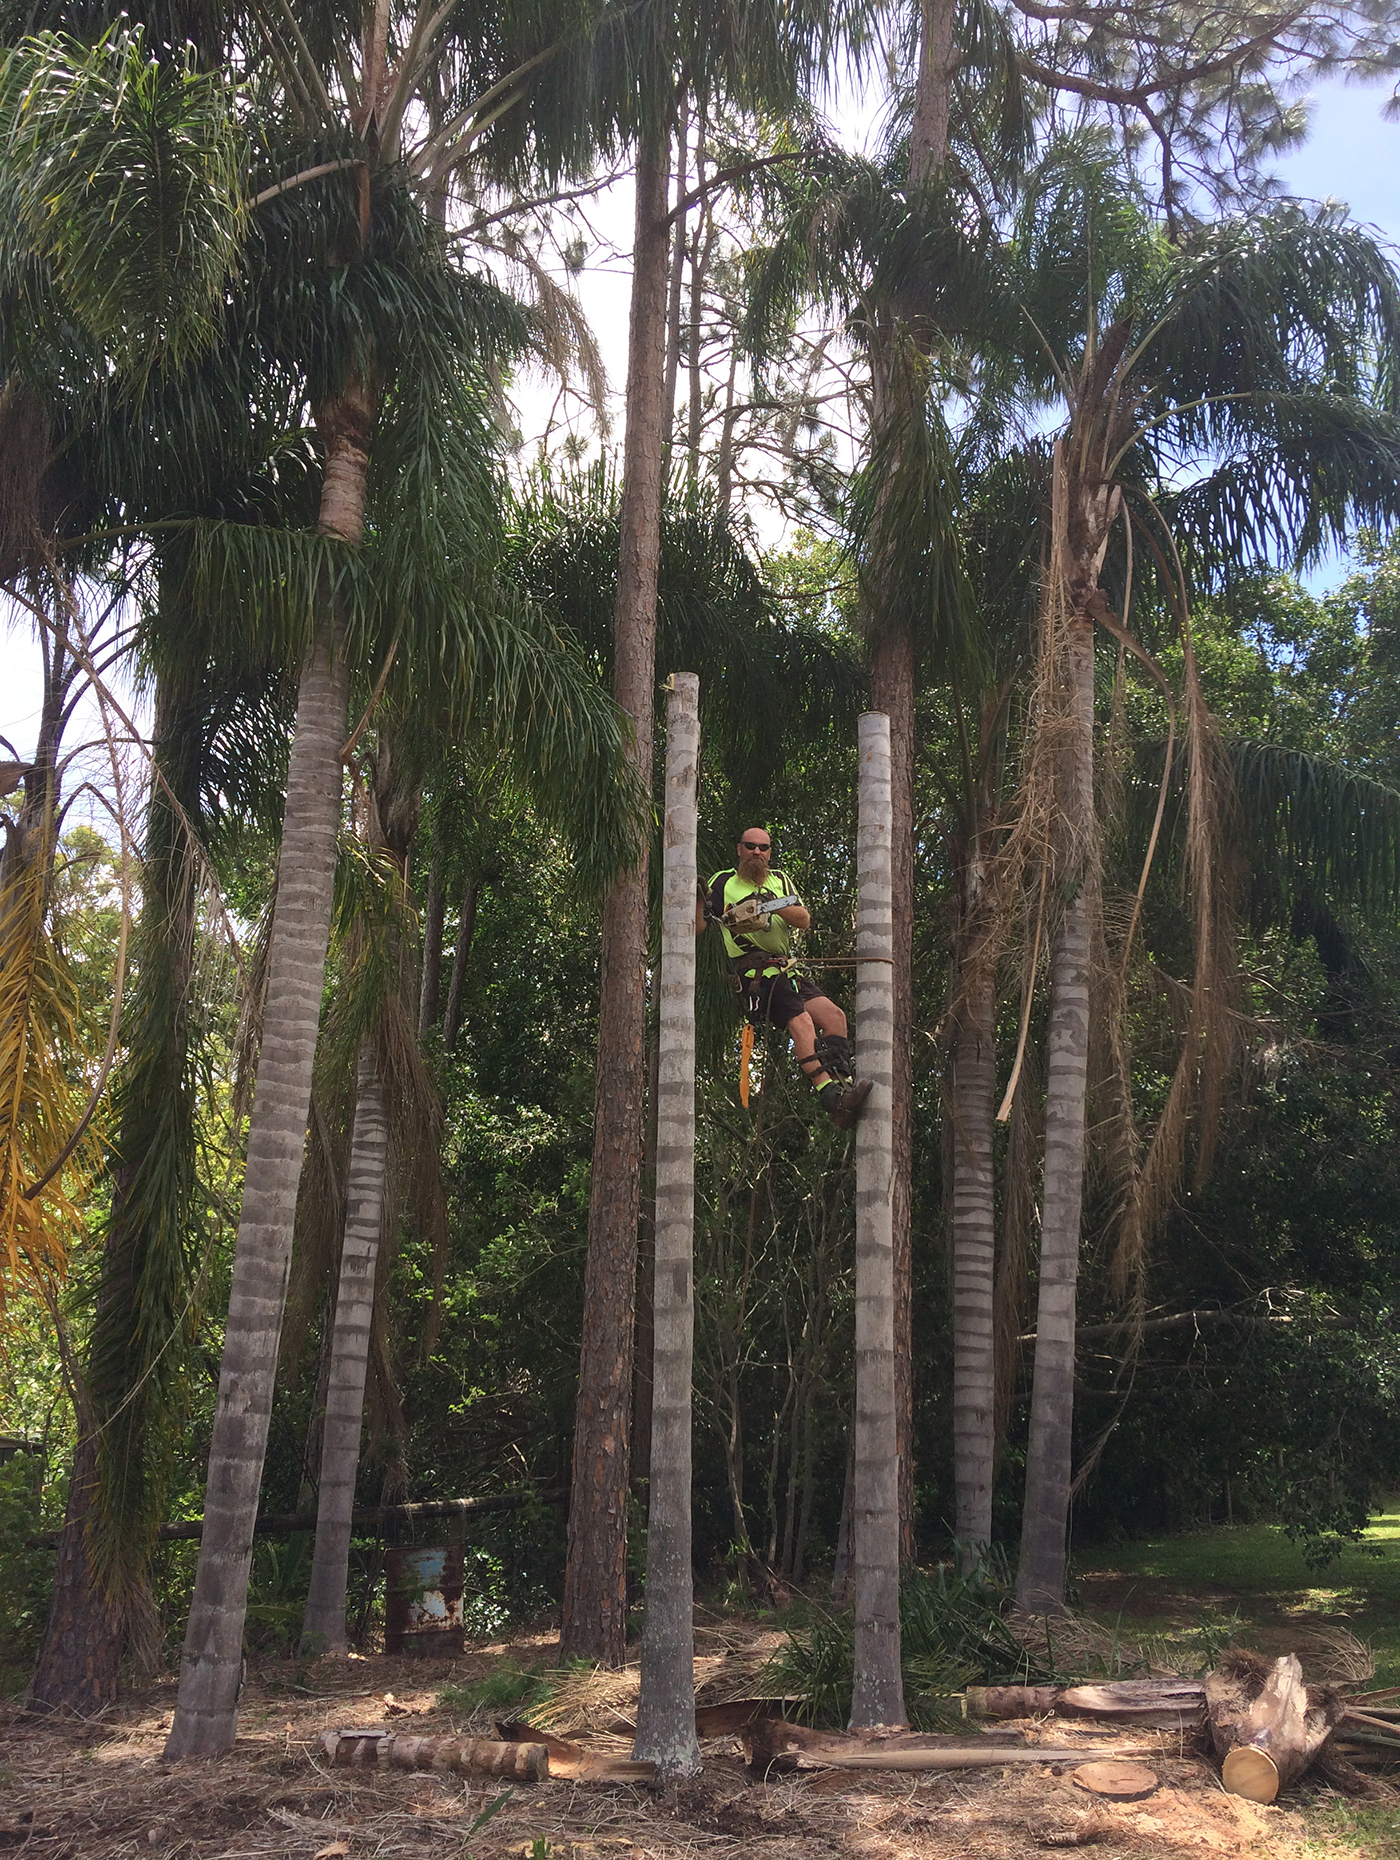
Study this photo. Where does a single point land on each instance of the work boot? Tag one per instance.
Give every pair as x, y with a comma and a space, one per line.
844, 1103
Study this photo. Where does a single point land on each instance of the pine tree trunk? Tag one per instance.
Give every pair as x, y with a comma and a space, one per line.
878, 1697
595, 1577
1040, 1583
892, 691
666, 1705
206, 1712
323, 1629
971, 1114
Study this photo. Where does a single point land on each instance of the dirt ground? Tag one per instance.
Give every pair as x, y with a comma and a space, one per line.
101, 1791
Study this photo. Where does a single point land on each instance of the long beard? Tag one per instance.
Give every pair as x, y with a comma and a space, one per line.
753, 871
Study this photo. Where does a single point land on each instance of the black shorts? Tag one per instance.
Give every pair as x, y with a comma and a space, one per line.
774, 1000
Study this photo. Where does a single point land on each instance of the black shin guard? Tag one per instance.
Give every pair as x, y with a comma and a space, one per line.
836, 1055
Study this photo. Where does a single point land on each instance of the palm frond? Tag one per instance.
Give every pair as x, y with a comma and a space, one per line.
123, 173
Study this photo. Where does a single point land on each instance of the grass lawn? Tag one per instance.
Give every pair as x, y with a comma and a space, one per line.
1201, 1579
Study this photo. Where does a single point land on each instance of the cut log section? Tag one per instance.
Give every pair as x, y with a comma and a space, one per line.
471, 1756
1165, 1704
576, 1762
770, 1743
1267, 1726
1119, 1782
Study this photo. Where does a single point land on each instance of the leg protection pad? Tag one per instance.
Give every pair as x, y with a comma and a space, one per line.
835, 1052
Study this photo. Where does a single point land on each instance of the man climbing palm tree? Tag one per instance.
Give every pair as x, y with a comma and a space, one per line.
757, 911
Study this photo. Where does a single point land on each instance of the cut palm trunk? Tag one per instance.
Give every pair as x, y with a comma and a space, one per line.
878, 1695
323, 1629
1168, 1704
770, 1743
1266, 1725
462, 1756
666, 1706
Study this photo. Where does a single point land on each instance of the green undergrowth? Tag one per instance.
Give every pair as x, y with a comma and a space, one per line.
952, 1635
506, 1688
1253, 1579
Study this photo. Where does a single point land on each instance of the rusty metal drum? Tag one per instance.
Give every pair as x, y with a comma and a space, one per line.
423, 1599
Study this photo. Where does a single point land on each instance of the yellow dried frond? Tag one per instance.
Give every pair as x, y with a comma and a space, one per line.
41, 1090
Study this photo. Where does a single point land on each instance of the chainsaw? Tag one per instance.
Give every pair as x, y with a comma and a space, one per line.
755, 912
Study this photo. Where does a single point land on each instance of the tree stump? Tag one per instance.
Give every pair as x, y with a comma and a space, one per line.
1267, 1726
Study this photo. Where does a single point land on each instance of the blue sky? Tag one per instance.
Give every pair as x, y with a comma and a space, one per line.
1351, 155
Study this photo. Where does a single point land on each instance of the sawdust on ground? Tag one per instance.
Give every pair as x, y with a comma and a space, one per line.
101, 1791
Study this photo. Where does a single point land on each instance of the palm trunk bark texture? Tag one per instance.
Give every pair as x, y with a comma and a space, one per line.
323, 1629
666, 1707
974, 1259
1040, 1581
878, 1696
206, 1711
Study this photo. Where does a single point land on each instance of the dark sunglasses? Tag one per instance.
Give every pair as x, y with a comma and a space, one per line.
757, 845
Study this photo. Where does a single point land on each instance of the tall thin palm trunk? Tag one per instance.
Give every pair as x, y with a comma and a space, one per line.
595, 1576
1040, 1581
461, 955
666, 1706
323, 1628
878, 1697
971, 1111
206, 1712
434, 914
892, 687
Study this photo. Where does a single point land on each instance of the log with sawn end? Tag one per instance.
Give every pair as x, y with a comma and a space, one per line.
1266, 1725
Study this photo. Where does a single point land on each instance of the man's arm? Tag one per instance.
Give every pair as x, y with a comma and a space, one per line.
797, 915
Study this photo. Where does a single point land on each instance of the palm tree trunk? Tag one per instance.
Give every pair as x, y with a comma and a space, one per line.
461, 954
141, 1326
429, 998
595, 1576
1040, 1582
892, 691
878, 1697
80, 1658
643, 1347
206, 1711
974, 1258
323, 1629
666, 1706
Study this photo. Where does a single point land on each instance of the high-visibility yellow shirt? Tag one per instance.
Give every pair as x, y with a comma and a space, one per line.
728, 889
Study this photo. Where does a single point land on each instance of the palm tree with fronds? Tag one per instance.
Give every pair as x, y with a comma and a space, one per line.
387, 339
1259, 356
